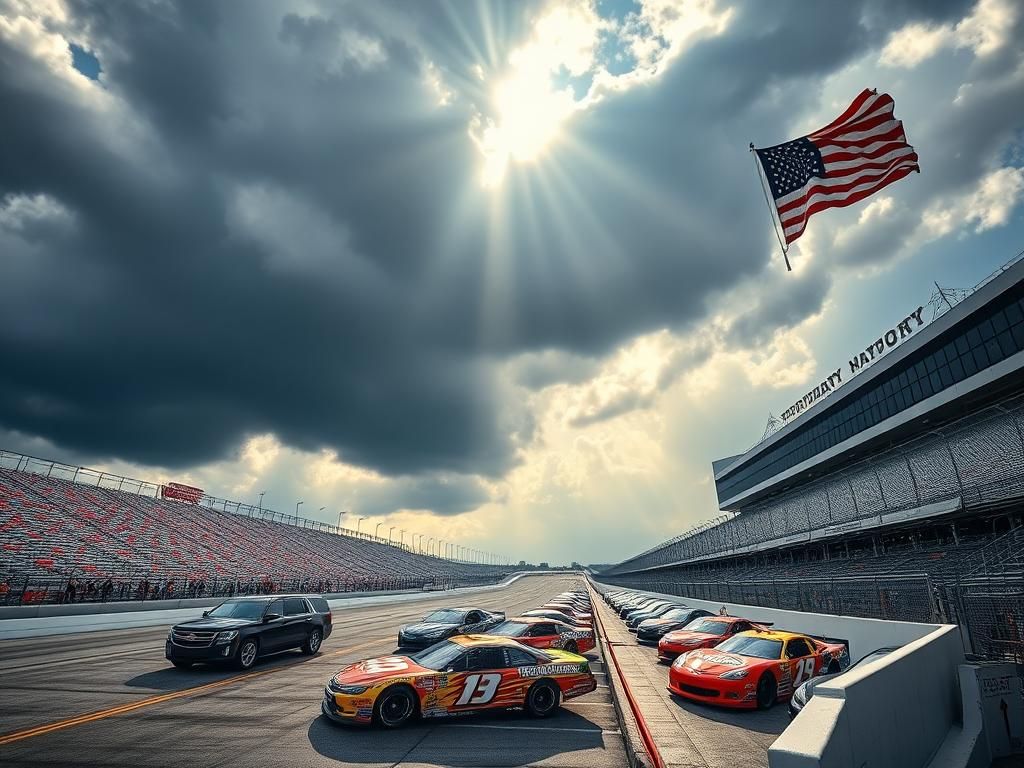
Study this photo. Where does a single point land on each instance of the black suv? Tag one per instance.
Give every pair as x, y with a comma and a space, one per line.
242, 629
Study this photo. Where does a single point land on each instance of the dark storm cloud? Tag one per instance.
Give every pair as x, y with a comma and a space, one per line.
178, 307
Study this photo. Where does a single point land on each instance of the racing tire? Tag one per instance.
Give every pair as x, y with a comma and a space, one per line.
571, 647
313, 642
767, 691
394, 707
181, 663
245, 656
542, 698
833, 668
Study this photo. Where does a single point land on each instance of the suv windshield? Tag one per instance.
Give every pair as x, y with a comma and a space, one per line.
758, 647
239, 609
438, 656
446, 617
510, 629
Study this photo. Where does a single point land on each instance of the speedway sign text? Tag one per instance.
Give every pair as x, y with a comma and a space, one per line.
887, 340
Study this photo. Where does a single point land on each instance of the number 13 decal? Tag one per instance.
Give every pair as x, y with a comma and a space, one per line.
479, 689
804, 670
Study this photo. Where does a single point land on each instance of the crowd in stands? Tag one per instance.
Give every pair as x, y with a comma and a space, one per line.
99, 544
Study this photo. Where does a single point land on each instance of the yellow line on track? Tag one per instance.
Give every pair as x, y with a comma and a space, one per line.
70, 722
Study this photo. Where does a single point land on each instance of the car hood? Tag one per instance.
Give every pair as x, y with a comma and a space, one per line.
653, 623
370, 671
682, 635
210, 624
708, 661
427, 628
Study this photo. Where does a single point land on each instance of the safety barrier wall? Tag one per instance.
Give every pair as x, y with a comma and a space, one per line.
893, 712
45, 622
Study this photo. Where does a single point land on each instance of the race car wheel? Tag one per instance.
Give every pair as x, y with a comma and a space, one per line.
542, 698
767, 691
180, 664
312, 644
394, 707
571, 647
833, 668
246, 655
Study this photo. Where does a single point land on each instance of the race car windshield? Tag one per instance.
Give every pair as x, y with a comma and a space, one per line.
439, 656
758, 647
510, 629
708, 627
239, 609
446, 617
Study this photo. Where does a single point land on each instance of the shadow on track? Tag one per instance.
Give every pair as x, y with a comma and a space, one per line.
773, 720
477, 739
171, 678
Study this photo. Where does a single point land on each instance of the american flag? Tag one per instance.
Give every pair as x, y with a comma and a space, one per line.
854, 156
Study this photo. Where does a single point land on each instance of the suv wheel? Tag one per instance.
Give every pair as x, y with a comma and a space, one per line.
246, 655
312, 644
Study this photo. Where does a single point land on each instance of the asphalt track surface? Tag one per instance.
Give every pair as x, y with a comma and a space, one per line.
111, 699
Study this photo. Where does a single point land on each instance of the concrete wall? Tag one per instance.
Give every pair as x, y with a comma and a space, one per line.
893, 712
95, 617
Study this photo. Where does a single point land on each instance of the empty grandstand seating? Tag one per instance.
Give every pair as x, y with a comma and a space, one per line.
56, 527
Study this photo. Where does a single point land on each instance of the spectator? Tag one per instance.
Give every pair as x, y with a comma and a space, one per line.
105, 589
70, 589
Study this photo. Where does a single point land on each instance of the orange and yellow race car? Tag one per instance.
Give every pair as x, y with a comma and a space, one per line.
464, 674
705, 632
754, 668
538, 632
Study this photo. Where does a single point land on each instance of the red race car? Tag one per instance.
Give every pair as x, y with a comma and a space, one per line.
538, 632
754, 669
705, 632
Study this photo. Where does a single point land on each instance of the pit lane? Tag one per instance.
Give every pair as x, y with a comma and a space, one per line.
110, 698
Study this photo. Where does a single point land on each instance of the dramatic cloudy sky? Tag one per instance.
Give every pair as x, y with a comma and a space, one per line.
496, 272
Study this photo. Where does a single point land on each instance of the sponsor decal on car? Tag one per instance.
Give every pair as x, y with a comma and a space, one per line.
575, 635
551, 669
718, 658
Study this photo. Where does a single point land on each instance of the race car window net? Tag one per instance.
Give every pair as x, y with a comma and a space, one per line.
510, 629
708, 627
239, 609
797, 648
486, 658
518, 658
445, 617
439, 656
758, 647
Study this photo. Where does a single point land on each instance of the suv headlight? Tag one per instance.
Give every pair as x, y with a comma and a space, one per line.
227, 637
735, 674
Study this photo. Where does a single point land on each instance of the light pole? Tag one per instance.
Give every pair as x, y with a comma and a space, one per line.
297, 505
358, 522
262, 494
429, 542
375, 530
402, 537
414, 539
390, 530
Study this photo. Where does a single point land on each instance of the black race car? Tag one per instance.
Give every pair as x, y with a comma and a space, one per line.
446, 622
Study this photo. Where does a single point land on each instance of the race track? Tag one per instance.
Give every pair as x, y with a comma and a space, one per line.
111, 699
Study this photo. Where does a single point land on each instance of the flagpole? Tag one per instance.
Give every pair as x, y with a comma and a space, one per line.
775, 226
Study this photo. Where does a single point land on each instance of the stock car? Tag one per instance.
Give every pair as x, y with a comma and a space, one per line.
634, 618
539, 632
805, 691
464, 674
553, 613
447, 622
754, 669
574, 612
650, 631
705, 632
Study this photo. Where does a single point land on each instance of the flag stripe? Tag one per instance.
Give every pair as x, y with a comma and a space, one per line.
865, 98
794, 231
827, 188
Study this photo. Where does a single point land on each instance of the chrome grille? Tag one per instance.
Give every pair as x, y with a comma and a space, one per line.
192, 639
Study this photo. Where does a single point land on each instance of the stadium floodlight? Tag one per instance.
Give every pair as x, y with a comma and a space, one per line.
358, 522
262, 494
390, 531
297, 505
377, 529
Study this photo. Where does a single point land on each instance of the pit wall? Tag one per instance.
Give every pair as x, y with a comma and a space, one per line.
893, 712
32, 621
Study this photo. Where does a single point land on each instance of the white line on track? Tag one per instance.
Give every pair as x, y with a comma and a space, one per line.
533, 728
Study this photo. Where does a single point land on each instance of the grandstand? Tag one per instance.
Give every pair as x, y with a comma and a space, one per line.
898, 495
142, 545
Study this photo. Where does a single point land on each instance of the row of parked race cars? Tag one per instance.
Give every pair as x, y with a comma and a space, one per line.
730, 660
454, 661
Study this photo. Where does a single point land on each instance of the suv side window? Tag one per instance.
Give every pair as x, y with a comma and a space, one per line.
277, 606
320, 605
295, 606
